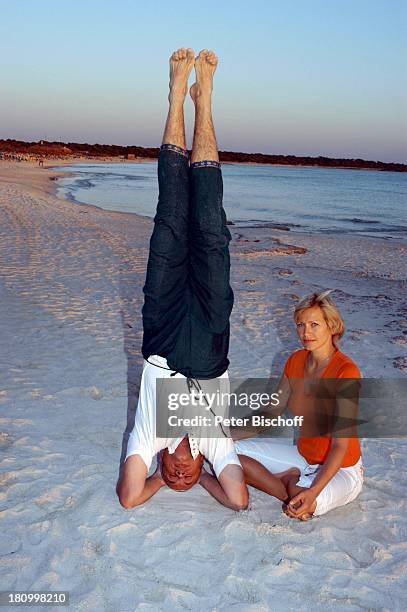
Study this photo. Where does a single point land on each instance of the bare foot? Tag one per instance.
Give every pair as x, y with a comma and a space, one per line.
303, 517
181, 63
205, 66
288, 475
306, 517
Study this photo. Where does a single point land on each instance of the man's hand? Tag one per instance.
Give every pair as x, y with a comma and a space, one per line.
302, 505
230, 490
203, 476
157, 474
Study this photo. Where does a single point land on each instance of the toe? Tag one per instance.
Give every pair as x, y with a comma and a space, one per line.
190, 53
211, 57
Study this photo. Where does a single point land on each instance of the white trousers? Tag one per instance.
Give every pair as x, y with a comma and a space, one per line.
280, 455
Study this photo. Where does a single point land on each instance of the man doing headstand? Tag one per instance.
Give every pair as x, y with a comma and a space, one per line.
188, 300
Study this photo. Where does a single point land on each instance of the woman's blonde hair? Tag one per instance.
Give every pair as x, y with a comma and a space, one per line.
331, 313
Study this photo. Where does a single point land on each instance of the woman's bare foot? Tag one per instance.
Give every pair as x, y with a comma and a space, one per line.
181, 63
304, 517
205, 66
292, 474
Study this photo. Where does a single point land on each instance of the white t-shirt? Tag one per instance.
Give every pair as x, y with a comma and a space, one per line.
219, 451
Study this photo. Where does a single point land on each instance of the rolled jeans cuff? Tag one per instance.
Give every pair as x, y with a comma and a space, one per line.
205, 164
175, 149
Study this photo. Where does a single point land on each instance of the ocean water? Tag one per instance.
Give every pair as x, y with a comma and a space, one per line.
303, 199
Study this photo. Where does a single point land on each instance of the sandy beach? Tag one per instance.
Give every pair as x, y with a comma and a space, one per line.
71, 281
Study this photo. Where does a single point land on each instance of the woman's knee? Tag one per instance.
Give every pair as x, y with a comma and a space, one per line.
240, 499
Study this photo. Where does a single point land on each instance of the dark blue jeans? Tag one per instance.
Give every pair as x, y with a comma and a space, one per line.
188, 298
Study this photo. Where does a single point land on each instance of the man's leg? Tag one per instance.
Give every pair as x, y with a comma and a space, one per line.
167, 270
204, 146
210, 262
211, 293
181, 63
167, 265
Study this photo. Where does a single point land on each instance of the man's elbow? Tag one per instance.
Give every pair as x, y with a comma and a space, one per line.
128, 502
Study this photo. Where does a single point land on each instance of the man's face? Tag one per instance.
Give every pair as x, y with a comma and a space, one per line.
179, 470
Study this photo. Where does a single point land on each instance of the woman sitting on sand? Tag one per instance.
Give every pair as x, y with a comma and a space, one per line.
321, 473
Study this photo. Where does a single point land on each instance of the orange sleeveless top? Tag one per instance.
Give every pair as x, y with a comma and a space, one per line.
315, 450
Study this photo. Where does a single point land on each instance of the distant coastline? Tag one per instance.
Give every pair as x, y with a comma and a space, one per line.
33, 151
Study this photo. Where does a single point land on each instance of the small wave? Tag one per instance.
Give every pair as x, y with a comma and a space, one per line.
265, 224
129, 177
357, 220
397, 229
118, 175
68, 195
82, 184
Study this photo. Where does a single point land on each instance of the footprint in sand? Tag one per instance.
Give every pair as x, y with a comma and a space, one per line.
91, 549
96, 393
35, 394
400, 363
292, 296
5, 440
285, 272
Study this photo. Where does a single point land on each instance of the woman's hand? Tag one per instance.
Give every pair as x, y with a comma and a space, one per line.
302, 505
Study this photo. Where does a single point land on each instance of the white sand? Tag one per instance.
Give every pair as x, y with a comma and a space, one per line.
70, 287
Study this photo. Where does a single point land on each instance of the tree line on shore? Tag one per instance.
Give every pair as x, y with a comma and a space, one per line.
72, 149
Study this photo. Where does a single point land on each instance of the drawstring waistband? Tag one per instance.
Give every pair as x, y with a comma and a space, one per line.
163, 368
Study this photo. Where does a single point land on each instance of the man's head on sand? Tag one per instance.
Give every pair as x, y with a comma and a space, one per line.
179, 470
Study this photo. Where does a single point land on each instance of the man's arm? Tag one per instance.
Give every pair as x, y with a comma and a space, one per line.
133, 487
230, 490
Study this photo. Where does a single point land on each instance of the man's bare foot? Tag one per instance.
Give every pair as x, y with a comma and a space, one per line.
205, 66
181, 63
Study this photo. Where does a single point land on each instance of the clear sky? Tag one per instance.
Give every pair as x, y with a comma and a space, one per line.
316, 77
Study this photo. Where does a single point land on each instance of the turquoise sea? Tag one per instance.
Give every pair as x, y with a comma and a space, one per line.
366, 202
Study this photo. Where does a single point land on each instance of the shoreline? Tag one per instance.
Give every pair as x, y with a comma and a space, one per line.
110, 160
256, 223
